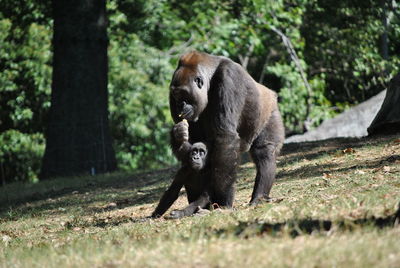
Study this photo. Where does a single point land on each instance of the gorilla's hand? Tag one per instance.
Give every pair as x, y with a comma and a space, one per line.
176, 214
181, 131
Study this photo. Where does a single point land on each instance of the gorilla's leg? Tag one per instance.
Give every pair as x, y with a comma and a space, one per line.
195, 185
264, 151
223, 192
264, 157
224, 162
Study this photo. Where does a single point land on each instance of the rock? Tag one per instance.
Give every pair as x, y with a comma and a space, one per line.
351, 123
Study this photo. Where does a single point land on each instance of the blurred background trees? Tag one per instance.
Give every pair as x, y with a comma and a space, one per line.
348, 50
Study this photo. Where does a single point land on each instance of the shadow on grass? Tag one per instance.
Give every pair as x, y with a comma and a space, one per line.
293, 152
103, 222
312, 170
126, 188
63, 205
295, 228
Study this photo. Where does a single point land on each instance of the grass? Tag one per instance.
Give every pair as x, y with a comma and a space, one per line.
335, 204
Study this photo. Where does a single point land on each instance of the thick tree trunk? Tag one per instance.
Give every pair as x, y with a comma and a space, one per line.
78, 139
387, 121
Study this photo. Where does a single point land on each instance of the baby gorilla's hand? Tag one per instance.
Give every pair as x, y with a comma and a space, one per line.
176, 214
181, 131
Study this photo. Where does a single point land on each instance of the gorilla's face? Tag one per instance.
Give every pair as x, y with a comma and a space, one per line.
189, 93
198, 156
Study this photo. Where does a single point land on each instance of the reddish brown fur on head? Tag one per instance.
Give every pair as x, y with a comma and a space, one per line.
202, 62
192, 65
192, 59
188, 65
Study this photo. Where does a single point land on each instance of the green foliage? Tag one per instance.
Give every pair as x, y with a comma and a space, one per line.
25, 76
293, 96
20, 156
322, 107
344, 43
138, 103
139, 106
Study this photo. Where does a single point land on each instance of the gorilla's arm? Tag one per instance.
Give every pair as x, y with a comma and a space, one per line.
226, 101
180, 149
200, 202
180, 141
171, 194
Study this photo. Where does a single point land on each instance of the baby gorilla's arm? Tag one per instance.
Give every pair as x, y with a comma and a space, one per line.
180, 140
171, 194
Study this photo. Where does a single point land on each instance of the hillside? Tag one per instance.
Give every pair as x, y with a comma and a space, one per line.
335, 204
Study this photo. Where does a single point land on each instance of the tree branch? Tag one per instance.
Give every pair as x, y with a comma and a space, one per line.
179, 48
293, 55
244, 61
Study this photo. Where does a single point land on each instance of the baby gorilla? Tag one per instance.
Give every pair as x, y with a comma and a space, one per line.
198, 156
192, 176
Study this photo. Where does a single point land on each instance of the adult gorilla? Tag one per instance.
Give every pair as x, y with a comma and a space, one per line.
232, 113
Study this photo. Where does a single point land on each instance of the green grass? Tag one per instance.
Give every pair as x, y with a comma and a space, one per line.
335, 205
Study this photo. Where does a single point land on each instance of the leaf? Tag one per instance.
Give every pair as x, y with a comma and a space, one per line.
6, 239
386, 169
349, 151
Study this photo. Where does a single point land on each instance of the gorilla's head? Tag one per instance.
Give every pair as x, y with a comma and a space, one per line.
189, 87
198, 156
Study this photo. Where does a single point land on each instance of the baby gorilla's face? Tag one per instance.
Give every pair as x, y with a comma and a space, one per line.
198, 156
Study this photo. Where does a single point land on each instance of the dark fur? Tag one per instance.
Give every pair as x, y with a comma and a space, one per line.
193, 176
231, 113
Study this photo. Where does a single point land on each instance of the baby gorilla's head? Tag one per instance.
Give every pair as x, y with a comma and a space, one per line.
198, 156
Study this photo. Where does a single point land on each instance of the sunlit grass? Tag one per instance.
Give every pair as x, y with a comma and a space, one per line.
101, 221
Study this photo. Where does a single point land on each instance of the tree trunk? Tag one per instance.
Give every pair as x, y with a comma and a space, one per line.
387, 121
78, 139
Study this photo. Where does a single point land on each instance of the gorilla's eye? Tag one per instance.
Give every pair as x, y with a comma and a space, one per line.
199, 81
